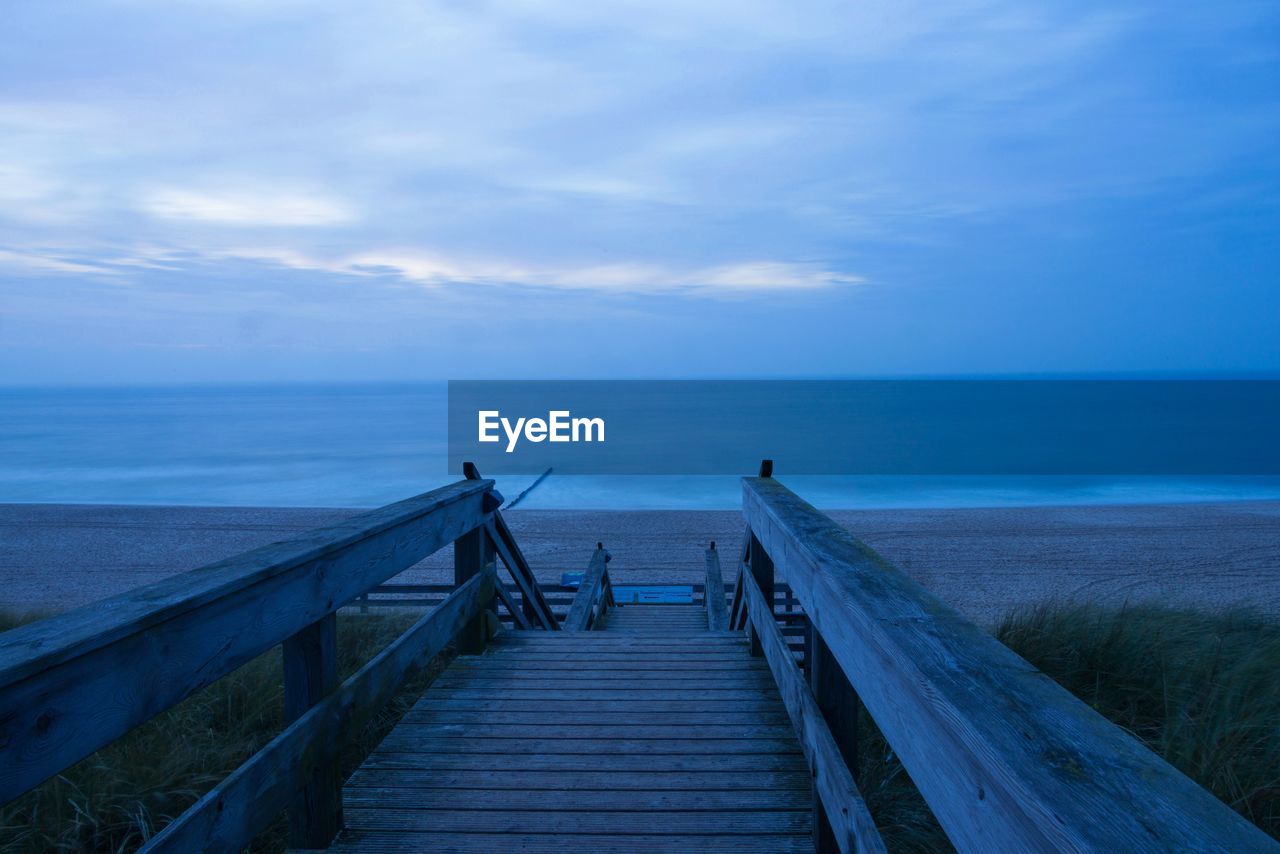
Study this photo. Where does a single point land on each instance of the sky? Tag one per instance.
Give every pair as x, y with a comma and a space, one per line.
279, 190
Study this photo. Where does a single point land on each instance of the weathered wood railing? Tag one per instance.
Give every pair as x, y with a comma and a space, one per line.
1006, 758
74, 683
713, 595
595, 595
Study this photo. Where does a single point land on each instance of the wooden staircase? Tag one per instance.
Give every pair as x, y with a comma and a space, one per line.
652, 734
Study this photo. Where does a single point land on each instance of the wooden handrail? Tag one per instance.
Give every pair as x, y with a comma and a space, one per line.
594, 596
73, 683
1006, 758
244, 804
535, 605
713, 593
846, 812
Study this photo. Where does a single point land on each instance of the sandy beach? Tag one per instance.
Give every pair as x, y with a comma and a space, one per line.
982, 561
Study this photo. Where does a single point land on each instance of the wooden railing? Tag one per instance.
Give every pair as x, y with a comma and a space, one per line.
713, 592
595, 595
1006, 759
74, 683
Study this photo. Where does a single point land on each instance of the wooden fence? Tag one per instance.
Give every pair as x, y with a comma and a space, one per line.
1006, 759
74, 683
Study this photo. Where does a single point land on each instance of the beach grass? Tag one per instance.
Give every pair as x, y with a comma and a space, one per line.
122, 795
1198, 689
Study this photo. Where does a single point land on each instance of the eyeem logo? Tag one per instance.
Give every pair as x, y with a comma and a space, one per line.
558, 426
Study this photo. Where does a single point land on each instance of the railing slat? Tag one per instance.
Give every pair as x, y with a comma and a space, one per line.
534, 606
75, 682
1006, 758
850, 822
245, 803
517, 615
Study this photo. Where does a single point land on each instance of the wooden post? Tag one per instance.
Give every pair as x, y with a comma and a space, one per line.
310, 675
761, 566
713, 593
473, 553
762, 571
839, 705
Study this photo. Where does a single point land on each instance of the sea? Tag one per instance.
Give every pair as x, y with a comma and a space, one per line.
318, 445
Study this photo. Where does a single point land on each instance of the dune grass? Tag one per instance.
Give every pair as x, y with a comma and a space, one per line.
1200, 690
122, 795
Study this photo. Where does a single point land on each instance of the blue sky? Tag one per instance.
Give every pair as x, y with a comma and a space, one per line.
293, 190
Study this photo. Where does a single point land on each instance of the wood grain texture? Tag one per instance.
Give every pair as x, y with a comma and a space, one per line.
534, 602
1006, 758
76, 682
591, 600
246, 802
587, 740
311, 675
414, 842
717, 614
843, 807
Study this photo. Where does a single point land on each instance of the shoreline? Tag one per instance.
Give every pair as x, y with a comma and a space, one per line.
982, 561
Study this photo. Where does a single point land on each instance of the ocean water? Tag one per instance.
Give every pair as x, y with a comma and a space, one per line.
366, 445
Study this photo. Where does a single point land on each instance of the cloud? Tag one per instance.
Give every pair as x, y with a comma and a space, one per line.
634, 277
247, 208
49, 262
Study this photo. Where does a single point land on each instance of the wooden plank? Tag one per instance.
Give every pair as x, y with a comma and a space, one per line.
624, 664
583, 718
247, 801
717, 616
719, 688
575, 762
725, 670
311, 675
401, 842
713, 695
390, 795
761, 703
404, 740
846, 813
606, 659
572, 822
582, 611
633, 730
999, 751
606, 643
597, 780
73, 683
618, 679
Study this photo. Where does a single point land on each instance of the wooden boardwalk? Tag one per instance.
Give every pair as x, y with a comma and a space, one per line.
615, 727
653, 734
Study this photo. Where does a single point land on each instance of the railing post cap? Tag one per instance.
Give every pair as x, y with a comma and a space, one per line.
766, 468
